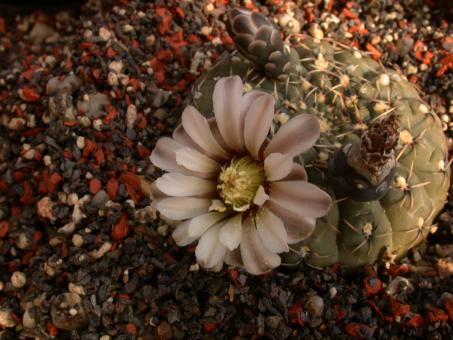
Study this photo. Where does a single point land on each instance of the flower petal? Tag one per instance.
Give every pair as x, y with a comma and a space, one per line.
298, 227
164, 157
297, 173
248, 98
301, 196
181, 208
176, 184
272, 231
230, 233
193, 160
216, 133
295, 137
257, 123
181, 234
277, 166
181, 136
198, 225
256, 258
227, 97
233, 258
260, 197
210, 252
197, 127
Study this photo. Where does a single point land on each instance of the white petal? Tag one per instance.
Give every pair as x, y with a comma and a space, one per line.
227, 97
295, 137
210, 252
277, 166
272, 231
258, 120
197, 127
198, 225
301, 196
193, 160
176, 184
181, 234
257, 259
298, 227
164, 157
260, 196
230, 233
181, 208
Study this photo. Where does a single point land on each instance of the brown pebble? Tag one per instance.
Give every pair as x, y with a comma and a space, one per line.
164, 330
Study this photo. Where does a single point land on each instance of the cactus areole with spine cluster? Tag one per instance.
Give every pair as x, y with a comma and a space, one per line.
381, 156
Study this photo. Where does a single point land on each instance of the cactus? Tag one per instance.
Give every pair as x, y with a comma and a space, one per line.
382, 155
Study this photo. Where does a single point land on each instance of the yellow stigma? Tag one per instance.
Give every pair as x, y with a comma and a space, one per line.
239, 181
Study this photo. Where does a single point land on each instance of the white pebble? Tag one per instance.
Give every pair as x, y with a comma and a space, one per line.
97, 124
105, 34
77, 240
16, 123
18, 279
80, 142
6, 319
73, 198
127, 28
116, 66
76, 289
112, 79
131, 116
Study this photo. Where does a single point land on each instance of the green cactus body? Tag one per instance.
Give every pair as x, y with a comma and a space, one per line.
347, 91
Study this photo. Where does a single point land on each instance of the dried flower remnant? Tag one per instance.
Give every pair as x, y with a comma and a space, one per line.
238, 193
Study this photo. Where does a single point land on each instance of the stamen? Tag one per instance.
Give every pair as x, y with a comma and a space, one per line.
239, 181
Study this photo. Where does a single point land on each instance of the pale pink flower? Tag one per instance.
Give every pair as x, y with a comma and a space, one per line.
236, 191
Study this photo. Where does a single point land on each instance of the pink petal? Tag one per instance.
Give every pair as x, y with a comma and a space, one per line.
180, 136
298, 227
295, 137
216, 133
257, 259
181, 208
260, 197
230, 233
248, 99
210, 252
257, 124
277, 166
198, 225
227, 98
164, 157
176, 184
272, 231
195, 161
297, 173
197, 127
301, 196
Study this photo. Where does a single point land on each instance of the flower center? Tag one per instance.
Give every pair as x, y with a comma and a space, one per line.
239, 181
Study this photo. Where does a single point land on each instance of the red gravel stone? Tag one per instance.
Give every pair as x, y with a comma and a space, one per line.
4, 228
30, 94
120, 229
95, 185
